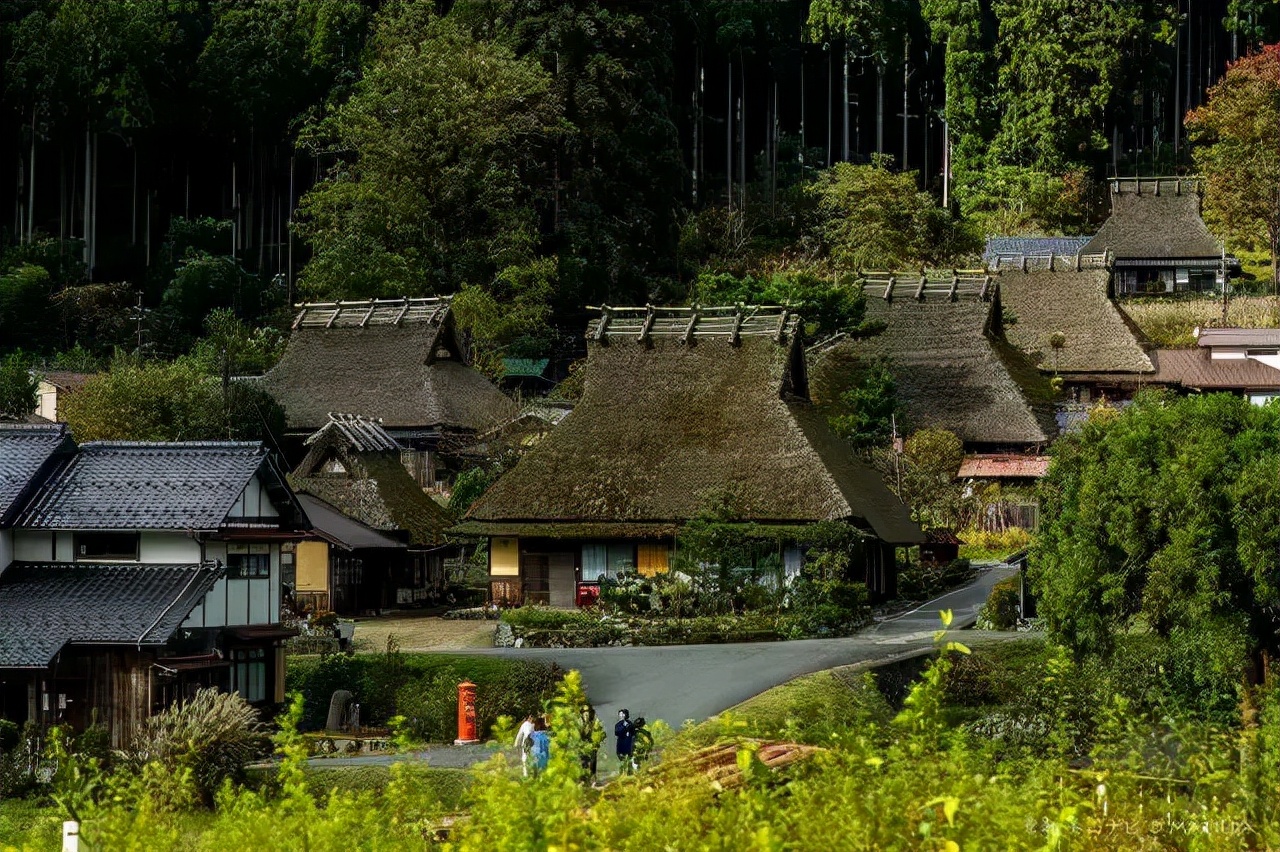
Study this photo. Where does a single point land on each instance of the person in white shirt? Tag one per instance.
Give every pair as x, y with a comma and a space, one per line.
524, 742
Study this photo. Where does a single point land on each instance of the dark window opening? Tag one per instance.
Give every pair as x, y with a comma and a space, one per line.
106, 547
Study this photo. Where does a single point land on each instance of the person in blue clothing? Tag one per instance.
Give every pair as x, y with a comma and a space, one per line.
625, 731
539, 745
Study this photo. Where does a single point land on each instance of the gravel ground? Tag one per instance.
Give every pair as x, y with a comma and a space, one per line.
414, 632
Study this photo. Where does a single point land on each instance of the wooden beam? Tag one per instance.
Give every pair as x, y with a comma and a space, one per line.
920, 288
603, 327
404, 309
373, 306
782, 326
649, 316
736, 330
888, 288
689, 329
955, 286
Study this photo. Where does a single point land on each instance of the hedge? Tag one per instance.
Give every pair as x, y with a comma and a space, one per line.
421, 687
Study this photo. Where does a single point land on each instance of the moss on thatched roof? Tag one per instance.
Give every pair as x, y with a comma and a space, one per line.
952, 371
402, 365
1155, 219
666, 428
1096, 336
375, 488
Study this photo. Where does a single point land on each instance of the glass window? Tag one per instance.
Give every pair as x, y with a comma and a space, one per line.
595, 562
248, 561
250, 672
107, 547
622, 557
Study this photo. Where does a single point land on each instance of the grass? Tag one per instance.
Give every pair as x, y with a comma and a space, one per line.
30, 824
448, 785
1171, 323
804, 709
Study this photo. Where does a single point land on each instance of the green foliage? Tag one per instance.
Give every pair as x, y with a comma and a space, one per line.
826, 306
870, 217
177, 401
212, 736
18, 386
1014, 200
1238, 155
921, 581
930, 460
444, 132
468, 487
380, 682
25, 307
1140, 523
865, 413
1000, 612
230, 346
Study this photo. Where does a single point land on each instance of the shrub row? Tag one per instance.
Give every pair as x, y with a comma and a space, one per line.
542, 627
420, 687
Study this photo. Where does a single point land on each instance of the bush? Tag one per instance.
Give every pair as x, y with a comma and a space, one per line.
919, 581
1001, 611
213, 735
10, 735
386, 685
988, 545
546, 618
826, 607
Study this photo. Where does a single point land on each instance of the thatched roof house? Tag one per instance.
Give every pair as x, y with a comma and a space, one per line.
1156, 238
397, 360
951, 364
682, 409
1098, 343
353, 466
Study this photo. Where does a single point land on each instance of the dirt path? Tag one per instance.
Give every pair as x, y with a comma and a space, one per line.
414, 632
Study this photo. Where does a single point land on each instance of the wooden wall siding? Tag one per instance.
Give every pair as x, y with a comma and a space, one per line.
236, 602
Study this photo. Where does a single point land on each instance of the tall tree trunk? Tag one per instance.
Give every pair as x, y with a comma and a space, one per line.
879, 107
88, 181
844, 105
742, 131
31, 183
728, 140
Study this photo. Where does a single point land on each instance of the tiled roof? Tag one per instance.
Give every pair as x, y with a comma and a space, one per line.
140, 485
359, 433
347, 532
515, 368
667, 427
1263, 338
402, 365
1155, 218
375, 489
25, 450
64, 379
951, 370
1003, 467
1097, 337
45, 606
1193, 368
998, 247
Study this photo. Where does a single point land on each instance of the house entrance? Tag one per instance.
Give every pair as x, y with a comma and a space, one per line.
549, 578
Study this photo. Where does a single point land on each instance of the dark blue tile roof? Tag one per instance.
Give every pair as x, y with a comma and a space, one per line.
24, 451
45, 606
1032, 246
145, 486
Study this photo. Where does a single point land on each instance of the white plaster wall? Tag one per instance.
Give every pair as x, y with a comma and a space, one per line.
1272, 361
33, 545
165, 546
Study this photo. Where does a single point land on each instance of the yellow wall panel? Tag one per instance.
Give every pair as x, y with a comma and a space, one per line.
504, 557
313, 566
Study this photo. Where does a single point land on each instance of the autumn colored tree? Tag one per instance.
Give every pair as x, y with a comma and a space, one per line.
1237, 136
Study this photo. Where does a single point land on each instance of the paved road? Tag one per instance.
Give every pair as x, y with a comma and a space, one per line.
675, 683
682, 682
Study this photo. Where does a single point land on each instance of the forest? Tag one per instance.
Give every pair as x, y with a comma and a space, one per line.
167, 159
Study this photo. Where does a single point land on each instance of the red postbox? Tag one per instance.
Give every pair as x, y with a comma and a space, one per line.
466, 714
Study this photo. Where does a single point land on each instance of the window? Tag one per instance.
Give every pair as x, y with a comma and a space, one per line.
248, 561
106, 547
249, 671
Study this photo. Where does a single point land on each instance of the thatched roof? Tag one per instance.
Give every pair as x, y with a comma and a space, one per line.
676, 416
354, 465
1155, 219
1098, 338
952, 369
398, 360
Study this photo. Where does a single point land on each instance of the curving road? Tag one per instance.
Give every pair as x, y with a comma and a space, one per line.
680, 682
